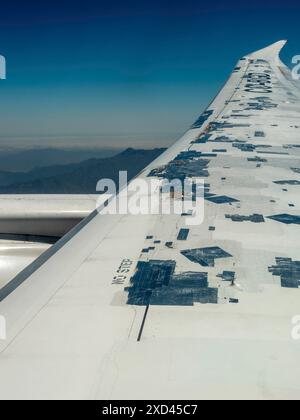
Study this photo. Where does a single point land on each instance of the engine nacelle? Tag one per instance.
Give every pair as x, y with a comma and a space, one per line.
16, 255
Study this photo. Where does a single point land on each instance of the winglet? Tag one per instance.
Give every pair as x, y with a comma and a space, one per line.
270, 53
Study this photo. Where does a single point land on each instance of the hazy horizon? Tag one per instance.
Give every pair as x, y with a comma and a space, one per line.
101, 142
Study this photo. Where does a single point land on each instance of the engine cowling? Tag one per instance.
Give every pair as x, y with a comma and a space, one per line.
30, 224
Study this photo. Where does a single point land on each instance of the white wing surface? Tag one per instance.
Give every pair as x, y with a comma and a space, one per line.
144, 307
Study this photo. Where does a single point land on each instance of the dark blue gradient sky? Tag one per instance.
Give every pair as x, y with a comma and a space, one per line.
115, 74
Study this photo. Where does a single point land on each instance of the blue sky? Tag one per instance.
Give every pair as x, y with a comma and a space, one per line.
118, 74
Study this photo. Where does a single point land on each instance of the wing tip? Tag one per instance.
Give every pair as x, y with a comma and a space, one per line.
271, 52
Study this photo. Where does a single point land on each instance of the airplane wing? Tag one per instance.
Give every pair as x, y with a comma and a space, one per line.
145, 307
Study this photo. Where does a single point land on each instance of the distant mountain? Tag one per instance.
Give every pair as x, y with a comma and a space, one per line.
26, 160
76, 178
9, 178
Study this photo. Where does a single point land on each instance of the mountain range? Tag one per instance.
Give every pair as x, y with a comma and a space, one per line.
76, 178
